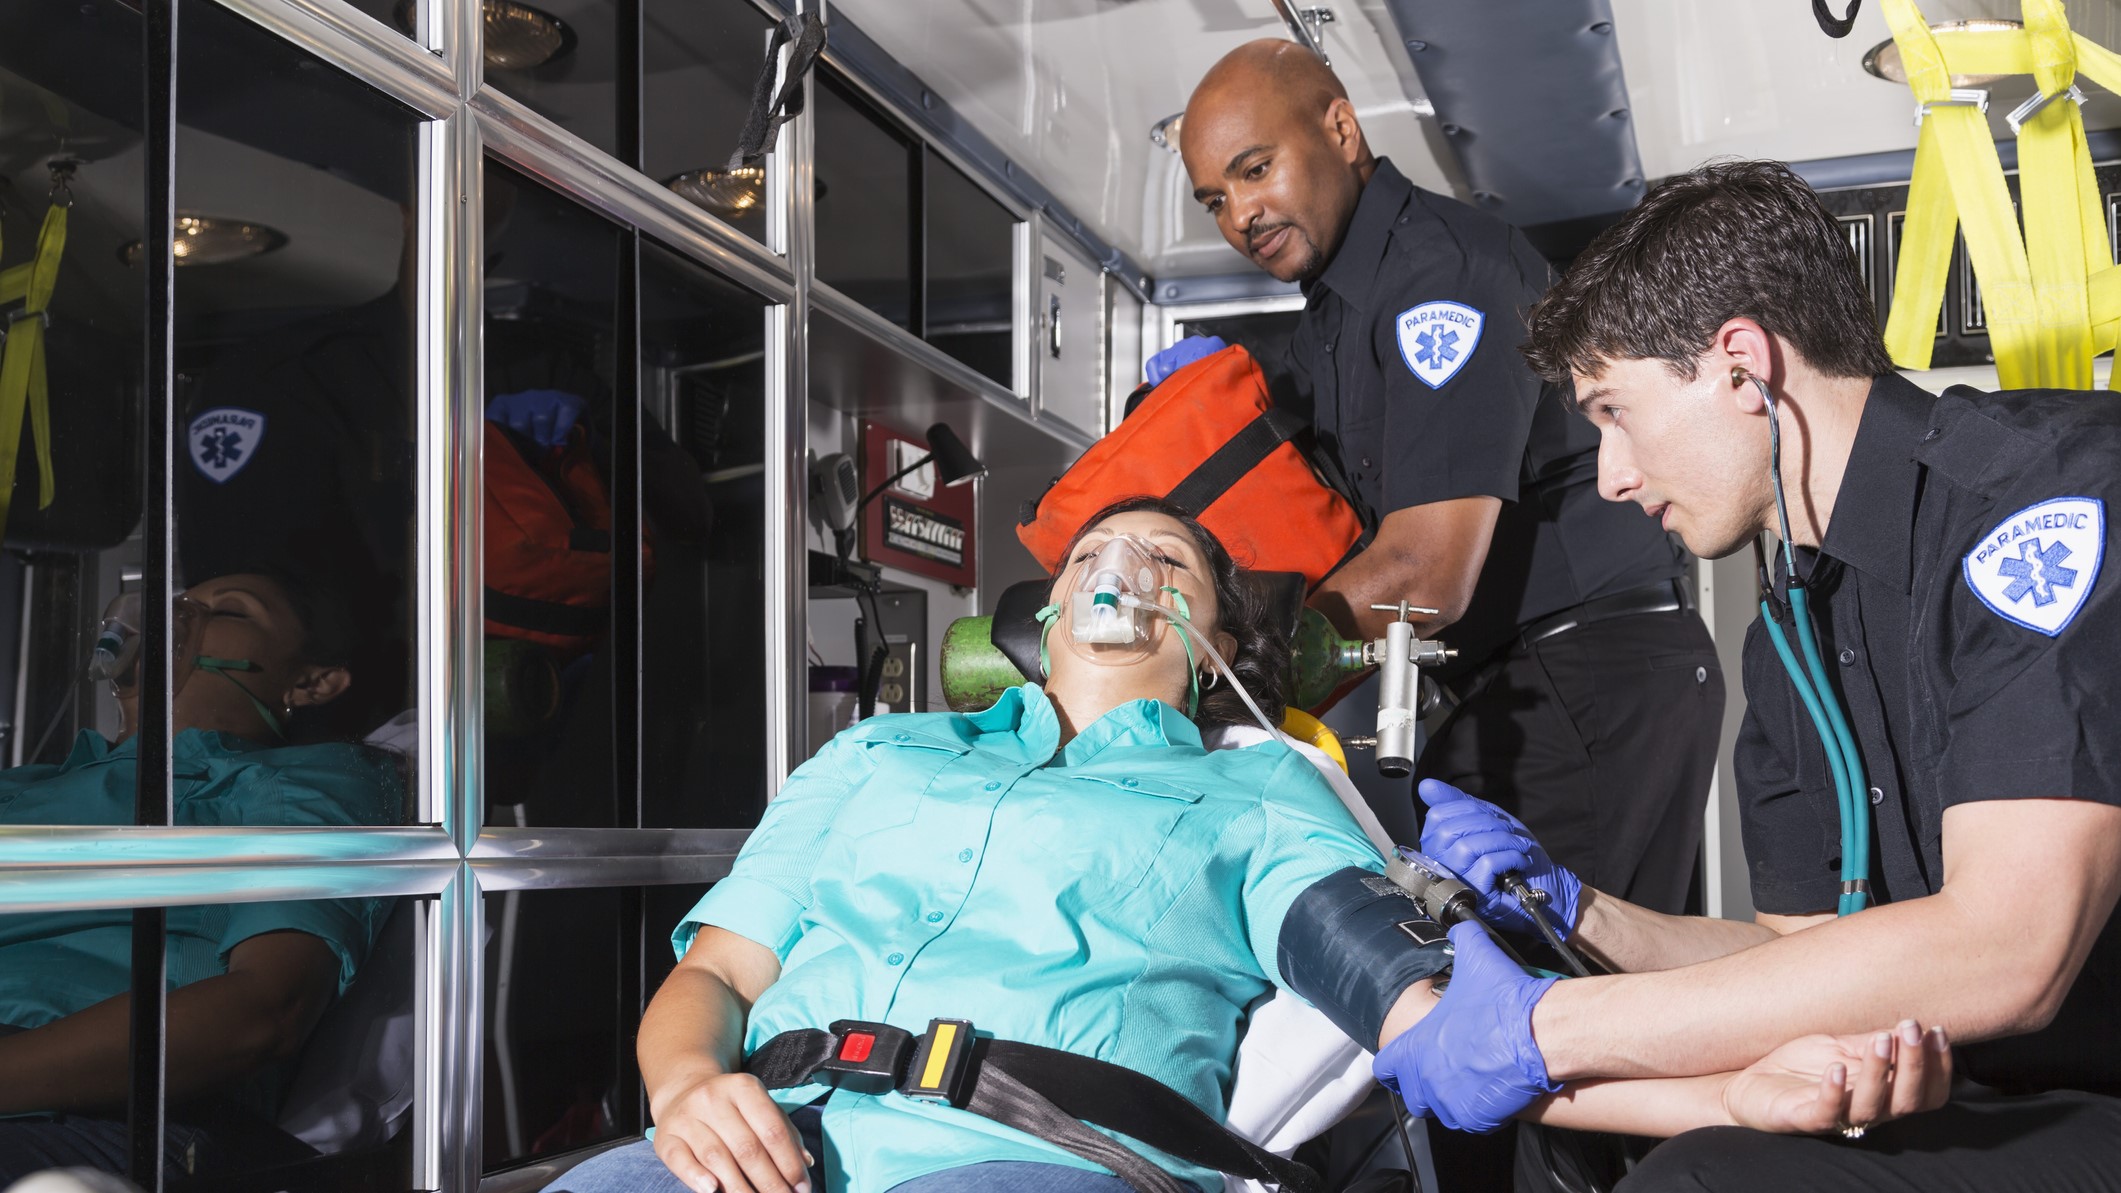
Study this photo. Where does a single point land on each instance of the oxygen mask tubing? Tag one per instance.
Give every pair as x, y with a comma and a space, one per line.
1111, 611
115, 657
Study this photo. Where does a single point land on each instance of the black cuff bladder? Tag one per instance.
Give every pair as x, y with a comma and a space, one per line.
1351, 945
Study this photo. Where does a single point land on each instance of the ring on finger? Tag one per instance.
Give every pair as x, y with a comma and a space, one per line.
1853, 1130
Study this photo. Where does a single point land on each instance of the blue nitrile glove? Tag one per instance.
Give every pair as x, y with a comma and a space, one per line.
544, 415
1471, 1061
1179, 355
1480, 842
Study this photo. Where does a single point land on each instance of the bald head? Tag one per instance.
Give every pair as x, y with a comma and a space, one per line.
1276, 156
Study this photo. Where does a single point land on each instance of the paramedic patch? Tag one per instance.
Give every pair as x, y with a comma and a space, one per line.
1436, 339
2037, 566
223, 440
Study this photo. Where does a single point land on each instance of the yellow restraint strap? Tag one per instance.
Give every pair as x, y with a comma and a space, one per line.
22, 375
2052, 295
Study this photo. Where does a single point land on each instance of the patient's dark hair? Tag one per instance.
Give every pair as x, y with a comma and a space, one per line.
1261, 660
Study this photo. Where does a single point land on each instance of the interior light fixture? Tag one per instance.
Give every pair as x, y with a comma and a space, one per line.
212, 240
517, 36
1165, 132
730, 194
1883, 60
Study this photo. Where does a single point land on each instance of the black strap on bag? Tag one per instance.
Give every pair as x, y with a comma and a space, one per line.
769, 111
1238, 455
1044, 1092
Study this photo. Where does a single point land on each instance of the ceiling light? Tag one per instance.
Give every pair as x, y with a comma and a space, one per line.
213, 240
1165, 132
730, 194
1883, 60
517, 36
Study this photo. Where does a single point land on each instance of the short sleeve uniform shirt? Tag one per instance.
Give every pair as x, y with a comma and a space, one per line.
1406, 360
1118, 897
1974, 635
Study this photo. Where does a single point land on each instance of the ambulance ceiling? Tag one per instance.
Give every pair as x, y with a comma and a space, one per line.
1071, 88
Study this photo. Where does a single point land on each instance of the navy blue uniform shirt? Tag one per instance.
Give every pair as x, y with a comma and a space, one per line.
1406, 360
1972, 633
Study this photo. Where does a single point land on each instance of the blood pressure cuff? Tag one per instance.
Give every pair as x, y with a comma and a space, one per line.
1352, 943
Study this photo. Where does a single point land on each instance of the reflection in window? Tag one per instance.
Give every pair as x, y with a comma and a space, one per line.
702, 57
561, 59
971, 273
297, 439
864, 202
703, 675
560, 1018
550, 289
334, 1114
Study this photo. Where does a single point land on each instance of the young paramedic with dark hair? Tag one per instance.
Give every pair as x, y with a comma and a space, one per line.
1952, 549
1069, 869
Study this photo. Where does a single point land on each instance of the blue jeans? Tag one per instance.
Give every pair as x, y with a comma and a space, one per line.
636, 1169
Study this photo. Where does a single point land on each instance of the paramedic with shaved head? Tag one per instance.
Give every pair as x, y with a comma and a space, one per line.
1589, 693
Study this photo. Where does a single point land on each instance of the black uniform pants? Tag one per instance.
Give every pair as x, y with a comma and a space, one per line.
1980, 1142
1602, 740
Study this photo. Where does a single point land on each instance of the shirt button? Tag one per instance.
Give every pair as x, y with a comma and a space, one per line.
936, 917
1701, 675
1329, 345
964, 855
1366, 461
1848, 655
1877, 796
993, 786
901, 737
894, 958
1130, 782
1930, 434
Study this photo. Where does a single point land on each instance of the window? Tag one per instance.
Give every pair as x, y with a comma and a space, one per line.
971, 280
864, 196
701, 58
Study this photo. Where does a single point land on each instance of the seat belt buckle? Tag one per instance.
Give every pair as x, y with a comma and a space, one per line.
867, 1057
942, 1067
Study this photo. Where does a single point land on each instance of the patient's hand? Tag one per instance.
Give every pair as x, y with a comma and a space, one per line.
724, 1133
1823, 1083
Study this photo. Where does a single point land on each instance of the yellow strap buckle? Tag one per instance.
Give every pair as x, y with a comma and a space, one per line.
2032, 105
1958, 97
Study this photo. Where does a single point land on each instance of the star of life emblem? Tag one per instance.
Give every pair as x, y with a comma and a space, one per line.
223, 440
1436, 339
2037, 567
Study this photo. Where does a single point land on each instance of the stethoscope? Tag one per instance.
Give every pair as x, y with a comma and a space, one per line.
1829, 718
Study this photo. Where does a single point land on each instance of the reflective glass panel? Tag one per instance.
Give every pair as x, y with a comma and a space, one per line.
864, 193
703, 674
551, 277
702, 57
297, 439
70, 87
561, 58
335, 1114
562, 1004
971, 273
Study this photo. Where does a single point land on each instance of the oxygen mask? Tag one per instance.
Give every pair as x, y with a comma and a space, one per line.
1106, 608
115, 657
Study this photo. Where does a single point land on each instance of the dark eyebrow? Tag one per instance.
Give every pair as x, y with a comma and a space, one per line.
1200, 193
1584, 400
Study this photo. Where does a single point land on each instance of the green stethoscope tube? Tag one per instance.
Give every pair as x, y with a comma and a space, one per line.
1829, 719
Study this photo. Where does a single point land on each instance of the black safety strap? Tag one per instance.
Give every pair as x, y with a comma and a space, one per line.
1832, 25
545, 617
1238, 455
1050, 1094
769, 111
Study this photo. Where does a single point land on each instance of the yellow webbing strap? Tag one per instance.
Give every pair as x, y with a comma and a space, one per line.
22, 375
2051, 295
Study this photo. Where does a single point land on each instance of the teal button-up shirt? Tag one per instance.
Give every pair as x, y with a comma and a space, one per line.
1119, 898
53, 964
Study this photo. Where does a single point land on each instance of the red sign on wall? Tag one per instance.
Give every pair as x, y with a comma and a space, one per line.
918, 524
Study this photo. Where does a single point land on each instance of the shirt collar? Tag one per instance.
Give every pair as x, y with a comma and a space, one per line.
1875, 508
1352, 273
1027, 714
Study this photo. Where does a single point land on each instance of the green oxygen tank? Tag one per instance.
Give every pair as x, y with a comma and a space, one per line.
975, 671
1321, 660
